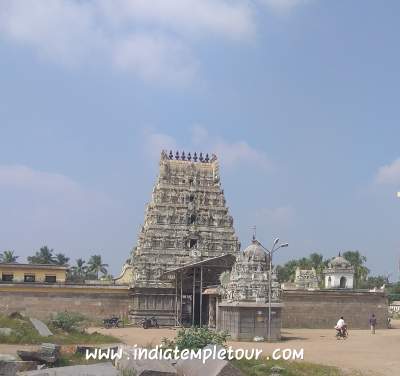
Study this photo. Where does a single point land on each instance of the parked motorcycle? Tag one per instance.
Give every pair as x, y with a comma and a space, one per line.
149, 323
113, 322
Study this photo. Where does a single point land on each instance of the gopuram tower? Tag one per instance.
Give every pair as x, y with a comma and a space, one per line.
186, 221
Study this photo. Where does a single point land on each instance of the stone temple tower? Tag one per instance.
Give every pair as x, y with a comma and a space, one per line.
186, 221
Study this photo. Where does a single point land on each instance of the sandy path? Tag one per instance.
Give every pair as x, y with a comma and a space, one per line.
375, 355
12, 349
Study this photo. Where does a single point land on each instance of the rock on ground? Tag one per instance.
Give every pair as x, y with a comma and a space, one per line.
143, 367
6, 331
99, 369
11, 367
41, 327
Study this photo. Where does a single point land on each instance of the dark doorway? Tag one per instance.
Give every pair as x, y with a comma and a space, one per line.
343, 282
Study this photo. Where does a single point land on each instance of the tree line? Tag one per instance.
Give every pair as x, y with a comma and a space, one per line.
94, 268
362, 277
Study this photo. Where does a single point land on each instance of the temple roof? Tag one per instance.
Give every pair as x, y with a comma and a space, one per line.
254, 252
340, 261
223, 261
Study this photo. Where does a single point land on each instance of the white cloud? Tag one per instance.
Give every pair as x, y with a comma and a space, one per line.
389, 174
64, 31
53, 209
22, 177
153, 40
155, 58
149, 39
155, 142
224, 18
31, 181
283, 5
230, 154
199, 135
235, 153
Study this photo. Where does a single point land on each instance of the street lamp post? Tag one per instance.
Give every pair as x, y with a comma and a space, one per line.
270, 253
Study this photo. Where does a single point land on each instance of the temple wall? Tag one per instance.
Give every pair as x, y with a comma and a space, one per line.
243, 322
42, 301
148, 302
321, 309
301, 308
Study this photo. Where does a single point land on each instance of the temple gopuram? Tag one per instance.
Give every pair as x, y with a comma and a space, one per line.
187, 240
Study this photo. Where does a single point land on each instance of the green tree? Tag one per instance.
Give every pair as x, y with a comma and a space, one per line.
80, 268
61, 259
287, 271
357, 260
376, 281
8, 257
316, 261
43, 256
96, 265
304, 263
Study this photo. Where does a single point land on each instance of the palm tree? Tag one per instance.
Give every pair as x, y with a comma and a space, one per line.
80, 269
96, 265
8, 257
61, 259
360, 270
43, 256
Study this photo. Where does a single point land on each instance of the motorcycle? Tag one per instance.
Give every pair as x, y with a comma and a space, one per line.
113, 322
342, 333
149, 323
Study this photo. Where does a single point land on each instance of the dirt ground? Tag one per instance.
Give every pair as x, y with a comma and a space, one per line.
373, 355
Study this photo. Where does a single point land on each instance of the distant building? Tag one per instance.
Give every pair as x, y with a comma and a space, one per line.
31, 273
306, 279
394, 307
339, 274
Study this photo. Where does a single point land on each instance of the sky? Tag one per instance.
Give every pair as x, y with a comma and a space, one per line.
298, 98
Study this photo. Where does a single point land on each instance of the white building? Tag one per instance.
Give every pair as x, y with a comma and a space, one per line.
395, 306
339, 274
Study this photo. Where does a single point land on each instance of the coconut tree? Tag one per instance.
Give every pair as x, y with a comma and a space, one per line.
8, 257
357, 260
43, 256
61, 259
96, 265
80, 269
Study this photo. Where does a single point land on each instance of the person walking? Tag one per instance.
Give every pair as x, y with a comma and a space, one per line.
372, 323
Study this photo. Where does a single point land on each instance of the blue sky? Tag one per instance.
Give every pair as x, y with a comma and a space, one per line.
298, 98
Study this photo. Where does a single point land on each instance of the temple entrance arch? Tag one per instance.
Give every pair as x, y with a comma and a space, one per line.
195, 290
343, 282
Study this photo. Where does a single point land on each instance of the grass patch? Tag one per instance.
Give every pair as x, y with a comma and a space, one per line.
76, 360
263, 367
25, 333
